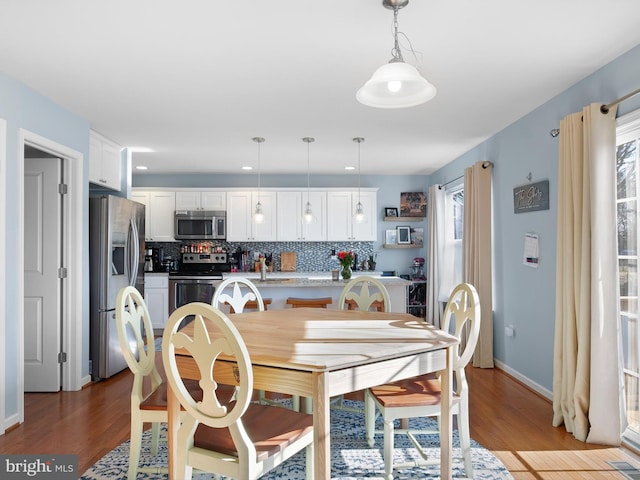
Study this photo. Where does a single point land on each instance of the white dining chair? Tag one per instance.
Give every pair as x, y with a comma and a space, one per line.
361, 293
420, 396
242, 292
364, 293
149, 390
238, 439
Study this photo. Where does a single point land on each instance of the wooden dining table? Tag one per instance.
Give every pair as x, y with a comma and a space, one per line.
320, 353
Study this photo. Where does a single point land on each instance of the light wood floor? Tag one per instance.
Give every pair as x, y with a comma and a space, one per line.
507, 418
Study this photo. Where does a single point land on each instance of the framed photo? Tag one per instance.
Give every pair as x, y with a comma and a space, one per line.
390, 212
413, 204
390, 236
417, 236
404, 235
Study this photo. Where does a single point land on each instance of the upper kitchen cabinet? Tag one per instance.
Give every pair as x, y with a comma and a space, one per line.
290, 210
160, 207
105, 163
194, 200
240, 224
341, 225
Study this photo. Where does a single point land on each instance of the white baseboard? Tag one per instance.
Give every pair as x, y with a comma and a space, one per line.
526, 381
10, 422
84, 381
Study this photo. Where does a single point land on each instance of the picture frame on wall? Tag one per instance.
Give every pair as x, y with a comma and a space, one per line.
390, 212
413, 204
390, 236
417, 236
404, 235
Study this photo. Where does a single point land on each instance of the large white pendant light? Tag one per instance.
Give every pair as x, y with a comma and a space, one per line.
396, 84
258, 214
307, 216
359, 215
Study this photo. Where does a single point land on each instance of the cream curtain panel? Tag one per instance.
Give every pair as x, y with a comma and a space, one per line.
476, 253
435, 254
588, 388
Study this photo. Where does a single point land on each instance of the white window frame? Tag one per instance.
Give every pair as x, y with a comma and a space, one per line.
627, 130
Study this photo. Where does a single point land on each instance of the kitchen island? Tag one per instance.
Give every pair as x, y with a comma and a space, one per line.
280, 285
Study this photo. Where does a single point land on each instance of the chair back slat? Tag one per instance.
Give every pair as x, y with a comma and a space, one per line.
364, 299
243, 291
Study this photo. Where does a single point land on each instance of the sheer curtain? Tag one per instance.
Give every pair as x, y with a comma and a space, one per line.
435, 254
476, 253
588, 388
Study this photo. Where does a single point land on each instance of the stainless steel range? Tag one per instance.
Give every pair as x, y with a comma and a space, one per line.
197, 278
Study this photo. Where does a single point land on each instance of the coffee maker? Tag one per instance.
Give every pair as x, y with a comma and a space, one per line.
148, 260
157, 256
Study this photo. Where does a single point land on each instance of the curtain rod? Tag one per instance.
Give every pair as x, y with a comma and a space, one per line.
484, 165
604, 109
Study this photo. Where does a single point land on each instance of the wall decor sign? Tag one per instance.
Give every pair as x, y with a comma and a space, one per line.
531, 197
413, 204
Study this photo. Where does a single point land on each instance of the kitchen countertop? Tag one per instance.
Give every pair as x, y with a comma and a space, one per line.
309, 279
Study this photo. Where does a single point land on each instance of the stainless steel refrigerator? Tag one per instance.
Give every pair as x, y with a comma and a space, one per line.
116, 259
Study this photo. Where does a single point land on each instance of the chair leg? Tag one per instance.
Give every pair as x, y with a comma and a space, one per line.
155, 436
135, 444
388, 449
465, 442
369, 417
309, 462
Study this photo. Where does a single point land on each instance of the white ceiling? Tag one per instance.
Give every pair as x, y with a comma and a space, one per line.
195, 80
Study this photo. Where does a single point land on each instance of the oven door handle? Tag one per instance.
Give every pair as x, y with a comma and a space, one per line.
202, 279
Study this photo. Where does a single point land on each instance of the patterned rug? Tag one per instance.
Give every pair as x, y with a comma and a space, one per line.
351, 457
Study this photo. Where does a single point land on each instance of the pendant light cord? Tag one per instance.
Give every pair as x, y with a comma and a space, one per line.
358, 140
396, 53
308, 166
259, 141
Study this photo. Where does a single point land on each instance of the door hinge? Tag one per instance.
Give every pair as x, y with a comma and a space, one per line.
62, 272
62, 357
62, 188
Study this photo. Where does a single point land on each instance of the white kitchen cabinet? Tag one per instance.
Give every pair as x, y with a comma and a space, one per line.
156, 296
194, 200
340, 209
105, 163
160, 207
240, 224
290, 209
143, 197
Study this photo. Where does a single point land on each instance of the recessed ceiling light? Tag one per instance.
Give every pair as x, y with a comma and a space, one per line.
349, 168
141, 167
247, 168
140, 149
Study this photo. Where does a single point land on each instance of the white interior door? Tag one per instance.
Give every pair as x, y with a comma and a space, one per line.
42, 257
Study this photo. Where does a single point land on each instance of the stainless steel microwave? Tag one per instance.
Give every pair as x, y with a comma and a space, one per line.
200, 225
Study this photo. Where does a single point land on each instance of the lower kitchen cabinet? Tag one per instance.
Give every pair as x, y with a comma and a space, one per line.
156, 296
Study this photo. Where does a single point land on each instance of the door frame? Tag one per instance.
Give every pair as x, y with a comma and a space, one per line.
3, 238
72, 232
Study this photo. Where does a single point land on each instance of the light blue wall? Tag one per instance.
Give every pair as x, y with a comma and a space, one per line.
389, 190
525, 297
23, 108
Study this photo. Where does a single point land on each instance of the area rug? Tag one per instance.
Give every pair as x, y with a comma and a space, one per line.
351, 457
